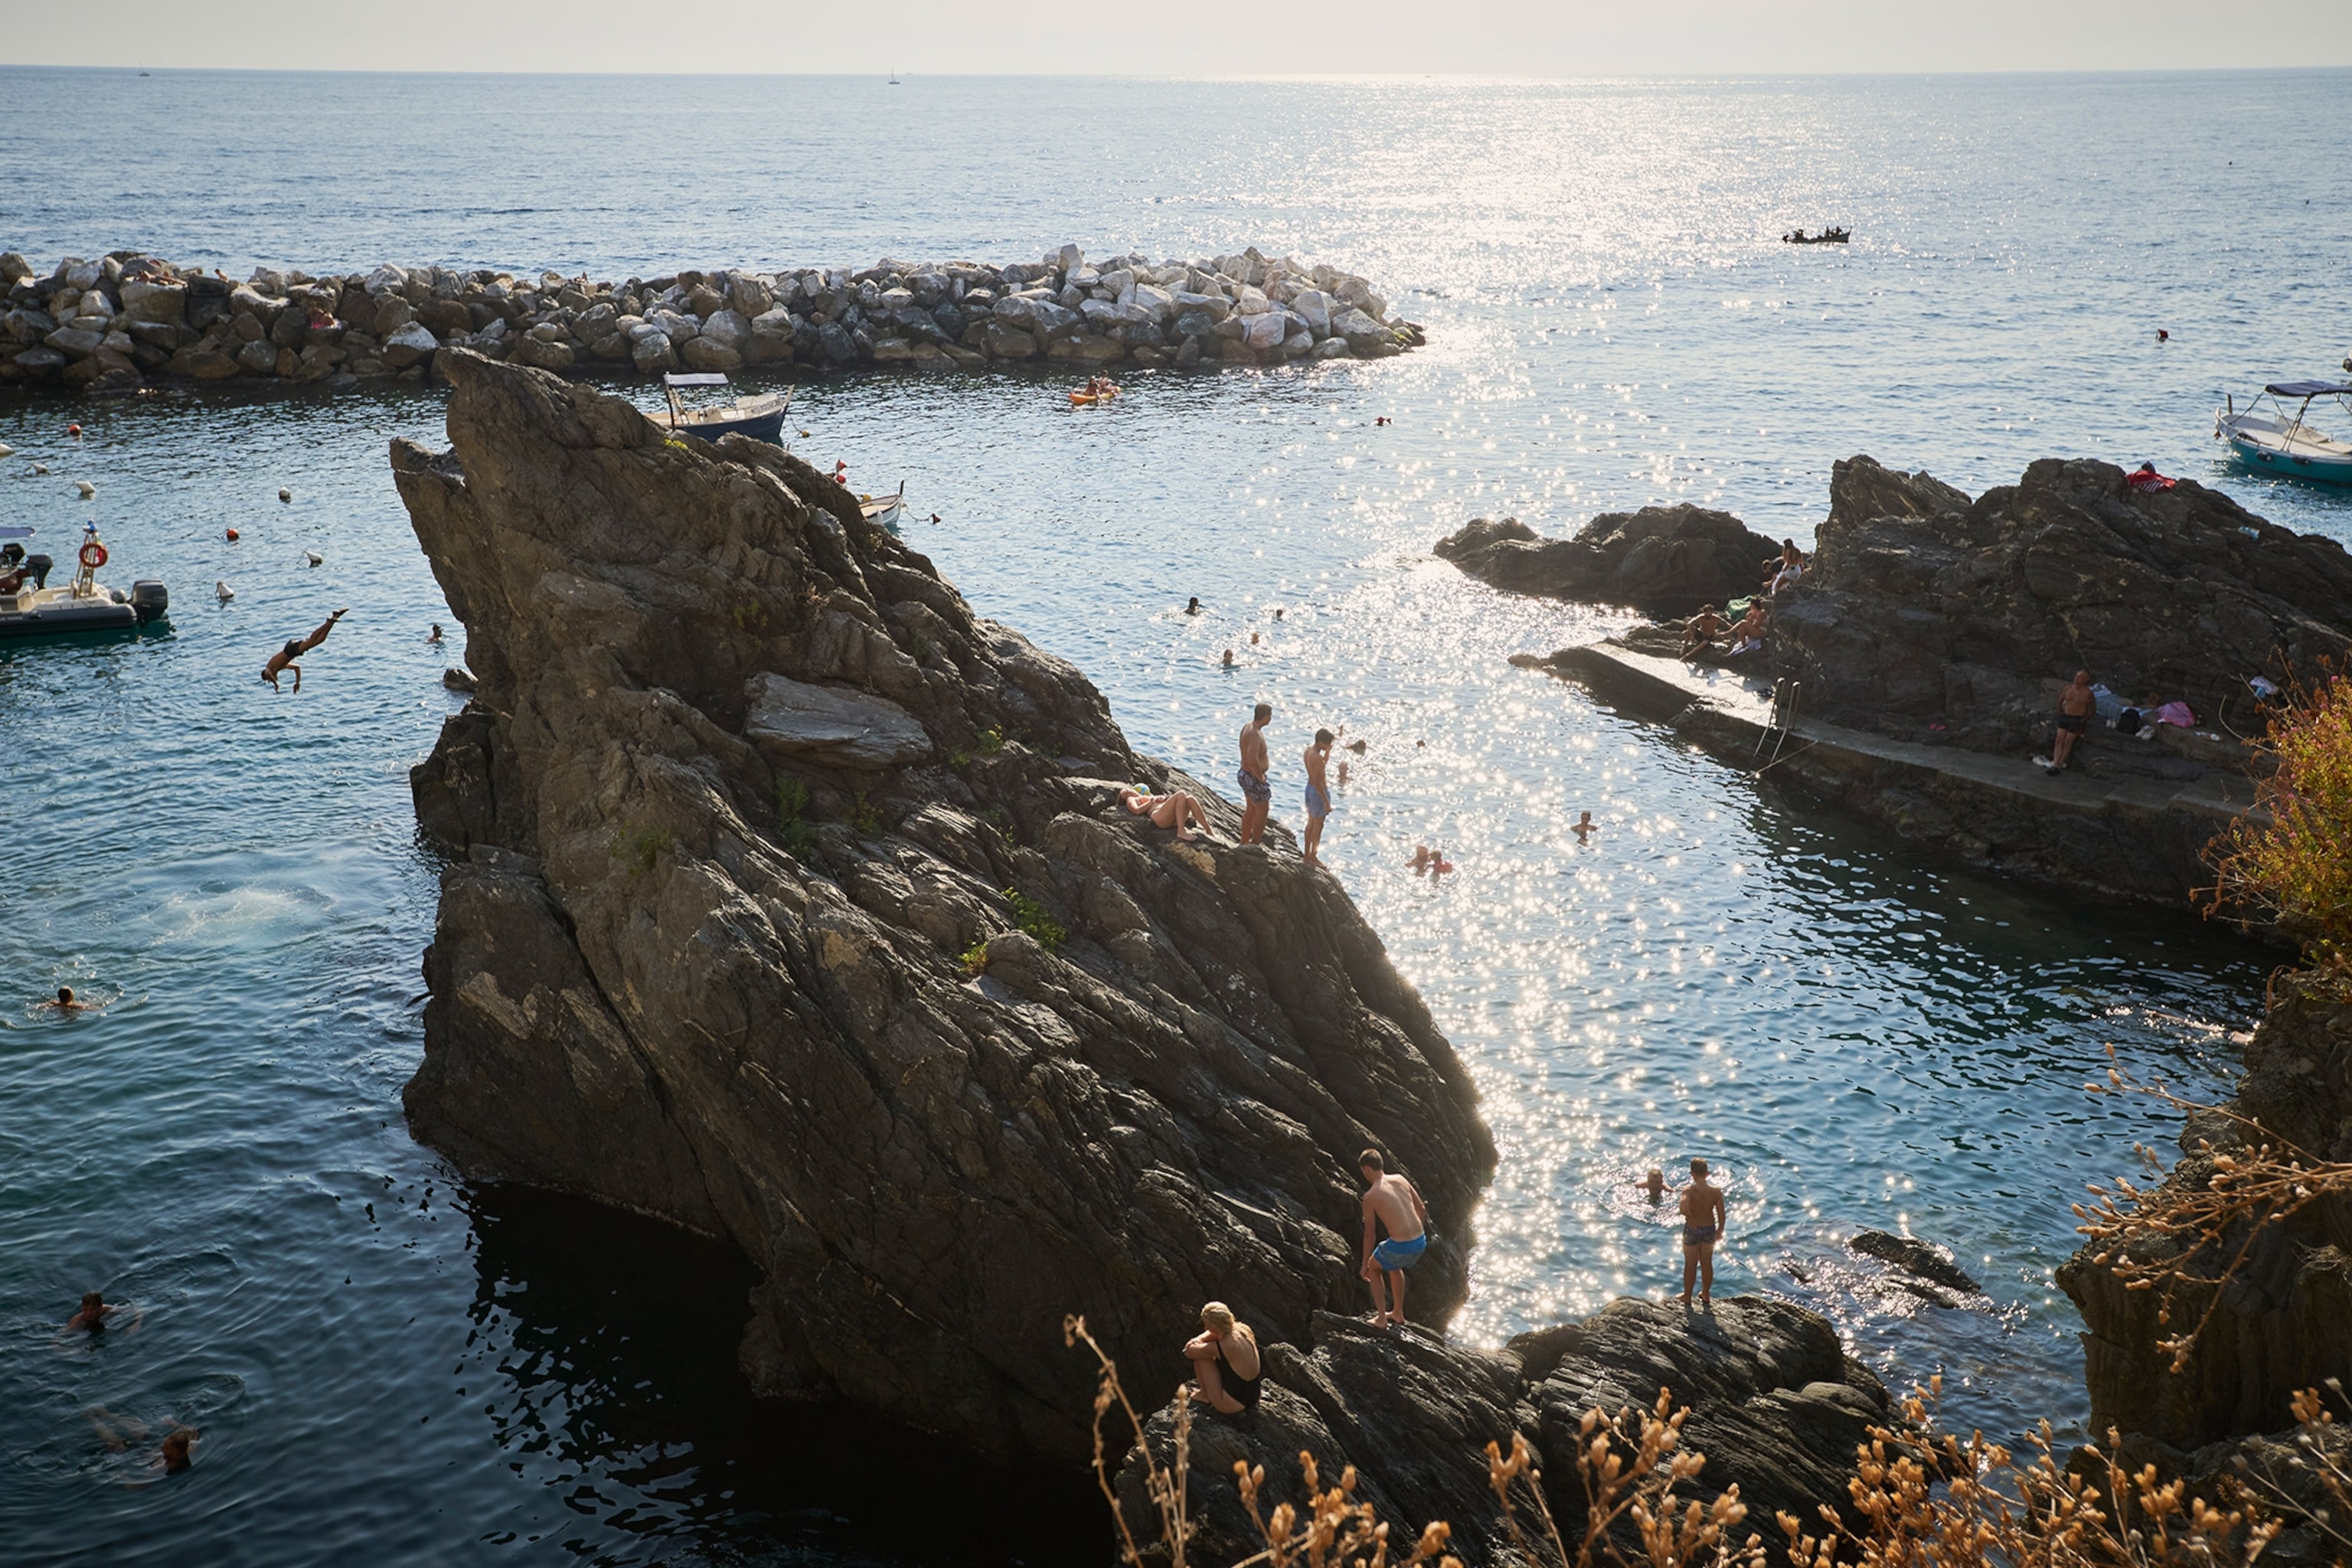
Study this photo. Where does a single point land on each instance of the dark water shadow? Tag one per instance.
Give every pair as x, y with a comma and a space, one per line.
604, 1346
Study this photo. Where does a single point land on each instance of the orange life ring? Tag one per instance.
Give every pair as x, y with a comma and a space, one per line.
93, 555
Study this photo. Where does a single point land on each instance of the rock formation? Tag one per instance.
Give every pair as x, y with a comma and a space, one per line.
2284, 1322
1922, 607
1664, 559
1777, 1406
112, 323
790, 902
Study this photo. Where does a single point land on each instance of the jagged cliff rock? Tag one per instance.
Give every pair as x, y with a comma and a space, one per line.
1664, 560
1921, 606
1776, 1404
2284, 1320
742, 781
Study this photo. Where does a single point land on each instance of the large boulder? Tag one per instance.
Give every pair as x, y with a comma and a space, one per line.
1666, 559
721, 942
410, 345
1776, 1404
1921, 606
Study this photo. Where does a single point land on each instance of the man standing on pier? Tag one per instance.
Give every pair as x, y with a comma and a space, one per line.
1257, 796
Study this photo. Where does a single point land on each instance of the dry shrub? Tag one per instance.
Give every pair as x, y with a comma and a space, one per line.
1629, 1469
2291, 858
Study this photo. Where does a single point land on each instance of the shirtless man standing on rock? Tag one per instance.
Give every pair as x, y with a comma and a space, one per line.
1703, 1221
1319, 794
2074, 705
1257, 796
1394, 1203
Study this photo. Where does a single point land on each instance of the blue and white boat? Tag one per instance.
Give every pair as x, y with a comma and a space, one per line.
2283, 442
761, 416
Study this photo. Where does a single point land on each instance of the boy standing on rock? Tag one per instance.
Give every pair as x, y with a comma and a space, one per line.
1319, 794
1703, 1222
1257, 796
1395, 1203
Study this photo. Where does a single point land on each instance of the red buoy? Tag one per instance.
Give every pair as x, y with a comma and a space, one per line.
74, 431
232, 536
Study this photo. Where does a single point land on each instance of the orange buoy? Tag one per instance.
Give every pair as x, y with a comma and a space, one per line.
74, 431
232, 536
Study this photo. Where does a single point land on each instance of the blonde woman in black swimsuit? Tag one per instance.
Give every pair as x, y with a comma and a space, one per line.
1225, 1368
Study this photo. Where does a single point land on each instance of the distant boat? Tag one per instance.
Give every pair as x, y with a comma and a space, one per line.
761, 418
1827, 236
2286, 443
894, 77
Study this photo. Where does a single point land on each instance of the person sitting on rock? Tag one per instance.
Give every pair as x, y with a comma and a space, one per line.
1700, 631
1792, 567
1176, 809
1748, 635
1225, 1365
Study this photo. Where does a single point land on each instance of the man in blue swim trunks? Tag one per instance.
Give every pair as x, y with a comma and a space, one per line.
1394, 1203
1257, 796
1318, 794
1704, 1218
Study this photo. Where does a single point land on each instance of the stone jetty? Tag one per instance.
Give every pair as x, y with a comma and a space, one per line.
128, 320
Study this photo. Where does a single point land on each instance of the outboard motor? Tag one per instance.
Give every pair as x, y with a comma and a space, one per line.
151, 599
40, 566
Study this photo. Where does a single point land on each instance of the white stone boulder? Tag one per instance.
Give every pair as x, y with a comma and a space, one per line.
1264, 332
652, 352
728, 329
1314, 307
144, 301
831, 725
409, 345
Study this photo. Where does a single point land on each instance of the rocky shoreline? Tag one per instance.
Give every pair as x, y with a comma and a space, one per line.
131, 319
1913, 671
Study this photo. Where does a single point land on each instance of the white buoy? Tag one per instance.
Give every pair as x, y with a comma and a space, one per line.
85, 487
225, 591
38, 469
7, 450
315, 558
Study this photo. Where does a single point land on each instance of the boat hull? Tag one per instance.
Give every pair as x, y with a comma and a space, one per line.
64, 620
767, 427
2320, 468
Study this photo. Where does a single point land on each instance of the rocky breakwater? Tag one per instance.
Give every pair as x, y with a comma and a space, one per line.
119, 322
1661, 560
792, 903
2282, 1322
1776, 1404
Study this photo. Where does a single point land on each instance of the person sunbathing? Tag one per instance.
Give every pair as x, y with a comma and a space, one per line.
1747, 636
1176, 809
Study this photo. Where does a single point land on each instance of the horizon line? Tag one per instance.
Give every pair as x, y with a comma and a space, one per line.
899, 75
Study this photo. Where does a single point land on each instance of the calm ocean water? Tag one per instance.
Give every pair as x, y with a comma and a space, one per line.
389, 1367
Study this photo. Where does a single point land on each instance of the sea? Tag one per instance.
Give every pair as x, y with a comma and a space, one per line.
391, 1365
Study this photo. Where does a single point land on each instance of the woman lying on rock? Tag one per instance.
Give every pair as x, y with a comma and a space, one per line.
1225, 1368
1177, 810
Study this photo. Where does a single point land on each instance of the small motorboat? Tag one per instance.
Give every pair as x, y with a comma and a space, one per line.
888, 511
761, 416
1827, 236
2283, 442
29, 607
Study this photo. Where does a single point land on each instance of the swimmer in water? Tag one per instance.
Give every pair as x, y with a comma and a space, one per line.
1421, 858
1192, 605
283, 659
173, 1455
1229, 658
95, 1311
1653, 1186
1583, 827
66, 1001
434, 635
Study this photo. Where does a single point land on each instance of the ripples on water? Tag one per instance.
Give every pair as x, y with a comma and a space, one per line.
389, 1366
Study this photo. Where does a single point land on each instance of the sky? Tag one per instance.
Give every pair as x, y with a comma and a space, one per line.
1517, 37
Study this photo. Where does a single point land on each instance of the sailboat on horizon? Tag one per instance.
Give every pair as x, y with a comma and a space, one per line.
894, 76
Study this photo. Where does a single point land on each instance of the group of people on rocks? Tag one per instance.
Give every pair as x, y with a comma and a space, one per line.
1228, 1368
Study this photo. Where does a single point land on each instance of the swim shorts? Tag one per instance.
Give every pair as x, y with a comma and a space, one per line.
1255, 788
1318, 802
1395, 1254
2073, 722
1698, 1235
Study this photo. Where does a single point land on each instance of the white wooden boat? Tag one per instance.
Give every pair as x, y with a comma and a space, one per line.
2283, 441
761, 416
889, 511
